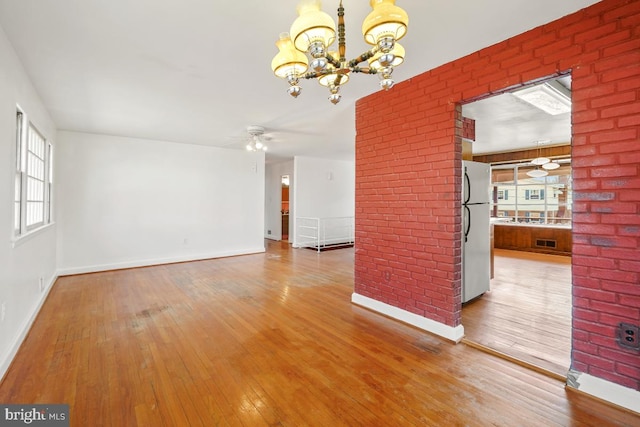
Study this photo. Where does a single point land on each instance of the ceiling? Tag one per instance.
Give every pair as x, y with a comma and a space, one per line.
506, 123
196, 71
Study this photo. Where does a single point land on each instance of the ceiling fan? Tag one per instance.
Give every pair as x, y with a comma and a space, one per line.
258, 139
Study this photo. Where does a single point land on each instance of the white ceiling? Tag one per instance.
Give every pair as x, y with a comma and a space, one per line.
507, 123
196, 71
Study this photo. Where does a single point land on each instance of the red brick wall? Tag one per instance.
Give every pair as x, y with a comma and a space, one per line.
408, 152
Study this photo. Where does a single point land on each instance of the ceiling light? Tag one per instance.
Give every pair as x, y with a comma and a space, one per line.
550, 97
256, 146
256, 143
539, 161
537, 173
314, 31
550, 166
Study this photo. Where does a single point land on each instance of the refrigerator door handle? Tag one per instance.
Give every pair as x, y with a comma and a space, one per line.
467, 222
467, 187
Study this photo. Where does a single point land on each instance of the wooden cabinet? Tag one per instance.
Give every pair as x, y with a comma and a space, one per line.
550, 240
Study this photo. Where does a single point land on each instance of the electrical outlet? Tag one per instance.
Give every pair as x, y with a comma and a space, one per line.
269, 232
628, 336
3, 312
41, 282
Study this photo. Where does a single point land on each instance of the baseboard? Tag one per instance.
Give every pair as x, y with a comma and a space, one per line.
604, 390
157, 261
24, 330
454, 334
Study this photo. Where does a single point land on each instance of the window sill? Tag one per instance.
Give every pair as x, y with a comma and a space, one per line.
19, 240
533, 225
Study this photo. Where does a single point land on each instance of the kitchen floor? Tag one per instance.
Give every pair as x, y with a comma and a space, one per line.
527, 313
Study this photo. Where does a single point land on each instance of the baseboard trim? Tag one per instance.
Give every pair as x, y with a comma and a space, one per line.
68, 271
624, 397
454, 334
24, 330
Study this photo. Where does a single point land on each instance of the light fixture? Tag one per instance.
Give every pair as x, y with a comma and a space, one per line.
256, 143
539, 161
537, 173
550, 166
550, 97
314, 31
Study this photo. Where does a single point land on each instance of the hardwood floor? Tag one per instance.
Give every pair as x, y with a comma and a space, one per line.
268, 339
527, 312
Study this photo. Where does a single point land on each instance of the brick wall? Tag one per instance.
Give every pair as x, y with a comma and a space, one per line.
408, 152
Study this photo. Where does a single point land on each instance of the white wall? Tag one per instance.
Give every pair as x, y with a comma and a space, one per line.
23, 264
126, 202
273, 198
323, 188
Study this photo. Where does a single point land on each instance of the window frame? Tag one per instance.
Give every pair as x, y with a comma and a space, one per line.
541, 193
33, 179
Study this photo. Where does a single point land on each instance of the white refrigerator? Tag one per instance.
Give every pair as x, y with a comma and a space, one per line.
476, 235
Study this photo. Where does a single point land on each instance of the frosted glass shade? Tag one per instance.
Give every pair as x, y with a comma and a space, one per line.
312, 25
330, 79
537, 173
550, 166
540, 161
288, 61
385, 20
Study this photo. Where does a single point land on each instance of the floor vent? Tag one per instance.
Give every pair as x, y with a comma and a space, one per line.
541, 243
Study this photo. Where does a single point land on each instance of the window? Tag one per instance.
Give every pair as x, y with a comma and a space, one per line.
536, 194
33, 177
523, 199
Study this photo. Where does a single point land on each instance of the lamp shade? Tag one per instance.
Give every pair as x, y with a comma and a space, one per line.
540, 161
385, 20
398, 58
550, 166
333, 79
312, 25
288, 61
537, 173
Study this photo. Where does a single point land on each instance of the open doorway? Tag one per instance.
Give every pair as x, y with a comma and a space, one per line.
526, 314
284, 208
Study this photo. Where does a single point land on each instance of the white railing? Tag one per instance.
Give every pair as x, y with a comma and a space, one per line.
322, 233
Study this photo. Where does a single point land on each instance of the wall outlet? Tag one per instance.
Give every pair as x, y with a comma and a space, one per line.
41, 283
269, 232
3, 311
628, 336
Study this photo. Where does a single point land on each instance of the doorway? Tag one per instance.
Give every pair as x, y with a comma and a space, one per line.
284, 208
526, 315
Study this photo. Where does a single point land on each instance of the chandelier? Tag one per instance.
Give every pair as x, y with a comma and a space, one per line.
314, 32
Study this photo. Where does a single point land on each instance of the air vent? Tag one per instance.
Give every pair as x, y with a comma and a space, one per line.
542, 243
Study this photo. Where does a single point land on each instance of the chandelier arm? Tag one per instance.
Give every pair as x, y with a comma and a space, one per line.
363, 57
365, 70
316, 74
333, 61
342, 41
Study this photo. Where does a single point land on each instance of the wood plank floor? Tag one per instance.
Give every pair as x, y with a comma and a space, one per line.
527, 312
266, 340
